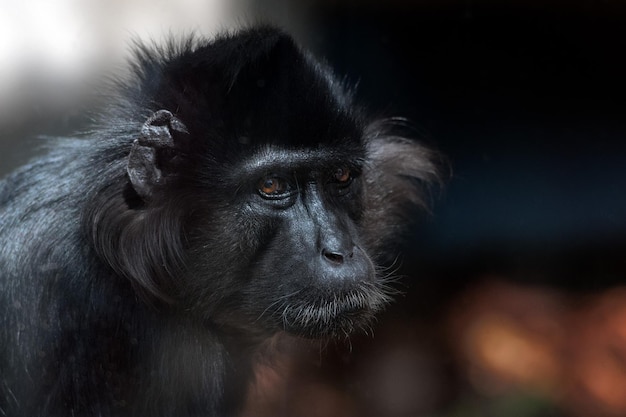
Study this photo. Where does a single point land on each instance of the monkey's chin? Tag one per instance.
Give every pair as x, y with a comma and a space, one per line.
334, 315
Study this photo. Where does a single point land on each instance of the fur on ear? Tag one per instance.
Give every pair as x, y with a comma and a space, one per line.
399, 176
151, 152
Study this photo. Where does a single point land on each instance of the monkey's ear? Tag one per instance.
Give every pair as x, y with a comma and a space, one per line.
150, 154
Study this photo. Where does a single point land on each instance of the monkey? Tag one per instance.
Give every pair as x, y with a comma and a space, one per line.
231, 189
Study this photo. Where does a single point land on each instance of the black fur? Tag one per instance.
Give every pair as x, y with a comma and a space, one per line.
140, 264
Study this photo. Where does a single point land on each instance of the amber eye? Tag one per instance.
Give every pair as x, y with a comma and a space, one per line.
272, 186
342, 175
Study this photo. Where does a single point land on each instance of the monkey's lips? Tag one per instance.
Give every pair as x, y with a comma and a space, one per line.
333, 314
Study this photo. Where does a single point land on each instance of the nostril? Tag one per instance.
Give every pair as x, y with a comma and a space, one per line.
333, 257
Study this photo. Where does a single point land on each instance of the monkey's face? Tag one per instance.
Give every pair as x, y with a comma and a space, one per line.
289, 247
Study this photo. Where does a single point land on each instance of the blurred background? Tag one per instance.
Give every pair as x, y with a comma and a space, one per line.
514, 288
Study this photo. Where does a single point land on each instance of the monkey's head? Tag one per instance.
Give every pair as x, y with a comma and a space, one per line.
257, 195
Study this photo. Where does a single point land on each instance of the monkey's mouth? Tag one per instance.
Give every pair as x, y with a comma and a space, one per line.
334, 314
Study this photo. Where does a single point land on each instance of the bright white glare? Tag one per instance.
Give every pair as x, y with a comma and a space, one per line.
9, 45
52, 48
53, 34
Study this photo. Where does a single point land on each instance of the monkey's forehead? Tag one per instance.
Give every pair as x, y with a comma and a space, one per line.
276, 159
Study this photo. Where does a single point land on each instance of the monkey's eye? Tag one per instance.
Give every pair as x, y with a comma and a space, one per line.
273, 187
341, 181
342, 175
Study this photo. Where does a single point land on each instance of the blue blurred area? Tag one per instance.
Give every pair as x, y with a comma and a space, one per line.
540, 184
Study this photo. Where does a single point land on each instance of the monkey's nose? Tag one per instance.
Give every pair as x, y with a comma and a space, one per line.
336, 257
